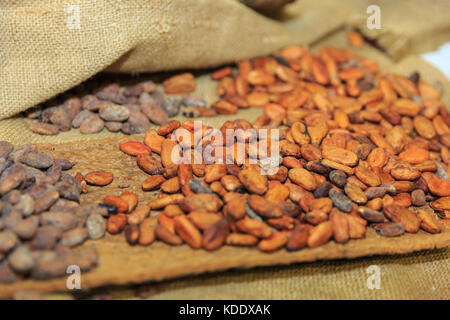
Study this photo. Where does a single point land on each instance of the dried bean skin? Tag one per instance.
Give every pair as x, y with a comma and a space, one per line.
407, 219
215, 235
99, 178
389, 229
338, 177
371, 215
198, 186
166, 236
341, 201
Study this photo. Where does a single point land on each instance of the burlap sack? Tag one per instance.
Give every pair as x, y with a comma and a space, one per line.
407, 27
49, 46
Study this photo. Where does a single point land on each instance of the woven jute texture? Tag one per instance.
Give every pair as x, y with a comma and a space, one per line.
406, 27
420, 275
49, 46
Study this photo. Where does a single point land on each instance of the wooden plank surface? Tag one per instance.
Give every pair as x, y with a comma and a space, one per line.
120, 263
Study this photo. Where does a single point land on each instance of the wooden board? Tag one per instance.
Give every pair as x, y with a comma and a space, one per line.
120, 263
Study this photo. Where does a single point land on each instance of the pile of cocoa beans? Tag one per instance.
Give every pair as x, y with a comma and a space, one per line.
126, 109
41, 219
357, 149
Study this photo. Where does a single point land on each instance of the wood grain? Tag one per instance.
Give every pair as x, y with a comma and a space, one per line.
120, 263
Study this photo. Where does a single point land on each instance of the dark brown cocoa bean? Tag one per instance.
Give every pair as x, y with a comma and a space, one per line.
74, 237
96, 226
340, 200
46, 237
44, 128
155, 113
418, 198
12, 178
8, 240
61, 220
5, 149
47, 265
338, 177
371, 215
21, 260
45, 200
61, 118
68, 191
323, 189
27, 228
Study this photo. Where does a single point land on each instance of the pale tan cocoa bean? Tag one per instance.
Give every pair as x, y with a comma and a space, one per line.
153, 140
215, 172
182, 83
171, 186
